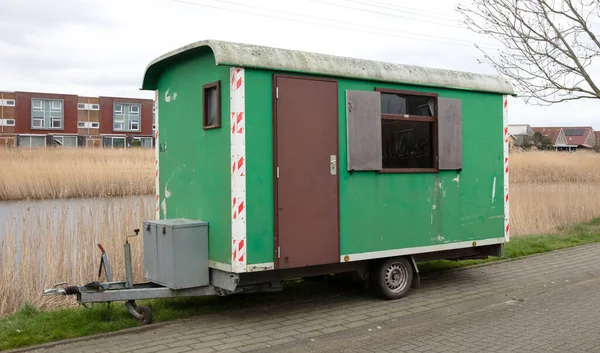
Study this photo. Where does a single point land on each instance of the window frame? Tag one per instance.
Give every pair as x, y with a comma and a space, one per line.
7, 102
122, 122
126, 117
37, 127
55, 106
92, 125
205, 88
433, 120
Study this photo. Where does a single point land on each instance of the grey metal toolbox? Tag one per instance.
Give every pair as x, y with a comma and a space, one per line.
176, 253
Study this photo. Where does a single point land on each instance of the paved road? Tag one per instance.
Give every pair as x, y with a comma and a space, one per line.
538, 304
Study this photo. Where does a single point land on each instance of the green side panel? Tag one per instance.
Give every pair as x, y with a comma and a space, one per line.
259, 167
387, 211
195, 176
392, 211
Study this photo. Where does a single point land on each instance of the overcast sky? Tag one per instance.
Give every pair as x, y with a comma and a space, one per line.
101, 47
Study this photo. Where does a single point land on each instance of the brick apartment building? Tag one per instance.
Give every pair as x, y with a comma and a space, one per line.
32, 119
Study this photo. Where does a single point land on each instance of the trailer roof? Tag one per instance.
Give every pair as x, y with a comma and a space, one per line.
254, 56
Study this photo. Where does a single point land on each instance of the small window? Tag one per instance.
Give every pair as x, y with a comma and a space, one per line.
118, 109
56, 123
211, 105
134, 125
95, 107
134, 109
10, 102
95, 125
81, 124
9, 122
408, 131
37, 104
118, 125
38, 123
81, 106
56, 105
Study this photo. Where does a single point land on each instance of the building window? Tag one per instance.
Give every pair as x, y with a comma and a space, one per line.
47, 113
7, 102
28, 141
126, 117
145, 142
114, 142
88, 124
81, 106
7, 122
95, 107
211, 105
65, 141
408, 130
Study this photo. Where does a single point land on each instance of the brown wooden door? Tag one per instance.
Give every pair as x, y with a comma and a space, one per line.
306, 187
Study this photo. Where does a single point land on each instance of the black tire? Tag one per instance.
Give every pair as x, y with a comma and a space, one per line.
392, 278
146, 314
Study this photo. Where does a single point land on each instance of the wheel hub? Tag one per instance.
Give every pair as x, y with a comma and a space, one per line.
396, 277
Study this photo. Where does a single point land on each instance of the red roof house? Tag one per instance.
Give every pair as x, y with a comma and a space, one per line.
580, 136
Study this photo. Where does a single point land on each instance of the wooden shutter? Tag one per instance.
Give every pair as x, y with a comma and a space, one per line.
363, 121
450, 133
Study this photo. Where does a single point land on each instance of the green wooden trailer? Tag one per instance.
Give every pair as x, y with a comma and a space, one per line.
319, 163
274, 164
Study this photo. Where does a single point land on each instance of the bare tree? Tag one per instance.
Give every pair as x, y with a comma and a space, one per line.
549, 47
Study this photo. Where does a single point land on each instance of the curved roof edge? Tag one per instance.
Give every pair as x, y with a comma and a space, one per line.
254, 56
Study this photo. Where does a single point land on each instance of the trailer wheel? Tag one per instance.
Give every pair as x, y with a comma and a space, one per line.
145, 313
392, 278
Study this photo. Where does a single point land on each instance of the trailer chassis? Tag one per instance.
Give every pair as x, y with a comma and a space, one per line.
125, 290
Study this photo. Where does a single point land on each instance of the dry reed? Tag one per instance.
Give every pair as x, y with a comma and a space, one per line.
53, 173
45, 247
549, 189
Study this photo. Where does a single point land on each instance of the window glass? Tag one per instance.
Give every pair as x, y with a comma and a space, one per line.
211, 102
118, 142
406, 144
392, 103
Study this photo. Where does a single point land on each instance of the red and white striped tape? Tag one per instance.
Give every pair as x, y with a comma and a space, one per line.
156, 148
506, 178
238, 170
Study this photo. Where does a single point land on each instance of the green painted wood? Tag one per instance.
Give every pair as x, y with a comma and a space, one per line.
388, 211
259, 167
377, 211
195, 175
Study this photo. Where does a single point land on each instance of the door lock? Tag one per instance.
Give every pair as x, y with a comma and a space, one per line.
333, 164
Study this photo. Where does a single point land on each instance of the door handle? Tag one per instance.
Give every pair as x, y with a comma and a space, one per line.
333, 164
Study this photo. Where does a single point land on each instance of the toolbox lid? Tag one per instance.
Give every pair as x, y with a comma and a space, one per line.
178, 223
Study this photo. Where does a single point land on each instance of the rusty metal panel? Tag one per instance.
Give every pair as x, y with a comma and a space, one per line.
363, 120
450, 133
